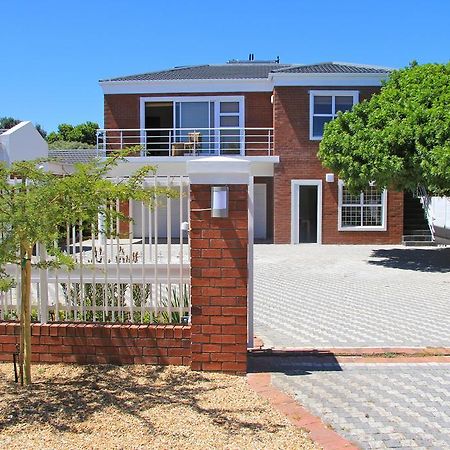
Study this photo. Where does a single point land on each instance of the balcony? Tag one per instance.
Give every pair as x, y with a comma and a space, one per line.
184, 142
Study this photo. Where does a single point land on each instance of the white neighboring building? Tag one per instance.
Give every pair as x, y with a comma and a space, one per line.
21, 143
439, 212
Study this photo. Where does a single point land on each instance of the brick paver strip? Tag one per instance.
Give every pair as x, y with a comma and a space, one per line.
330, 296
353, 352
387, 404
296, 414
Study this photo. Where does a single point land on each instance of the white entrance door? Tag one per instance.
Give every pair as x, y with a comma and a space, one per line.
306, 211
260, 214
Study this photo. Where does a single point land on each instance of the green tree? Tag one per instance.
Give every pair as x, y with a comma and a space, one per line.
8, 122
84, 132
69, 145
39, 207
398, 138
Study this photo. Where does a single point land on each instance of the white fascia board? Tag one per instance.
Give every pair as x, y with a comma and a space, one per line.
260, 166
328, 79
185, 86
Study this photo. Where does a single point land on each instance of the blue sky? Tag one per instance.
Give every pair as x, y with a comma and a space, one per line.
55, 51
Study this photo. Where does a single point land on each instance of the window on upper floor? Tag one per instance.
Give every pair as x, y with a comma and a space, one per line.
325, 105
365, 211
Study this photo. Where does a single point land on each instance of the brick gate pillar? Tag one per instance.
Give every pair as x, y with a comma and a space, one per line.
219, 275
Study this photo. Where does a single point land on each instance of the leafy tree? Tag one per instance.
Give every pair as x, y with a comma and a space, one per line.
41, 131
9, 122
68, 145
39, 207
84, 132
399, 138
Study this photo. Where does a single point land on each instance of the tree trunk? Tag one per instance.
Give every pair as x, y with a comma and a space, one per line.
25, 315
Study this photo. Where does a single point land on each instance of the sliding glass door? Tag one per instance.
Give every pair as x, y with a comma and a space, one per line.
193, 121
204, 125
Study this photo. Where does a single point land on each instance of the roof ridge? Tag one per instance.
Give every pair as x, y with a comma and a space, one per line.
172, 69
368, 66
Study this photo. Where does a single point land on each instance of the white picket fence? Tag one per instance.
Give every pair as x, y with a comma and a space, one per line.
141, 278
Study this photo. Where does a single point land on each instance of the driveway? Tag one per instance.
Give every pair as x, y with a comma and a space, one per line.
375, 405
329, 296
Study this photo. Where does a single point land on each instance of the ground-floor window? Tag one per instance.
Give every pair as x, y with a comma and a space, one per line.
365, 211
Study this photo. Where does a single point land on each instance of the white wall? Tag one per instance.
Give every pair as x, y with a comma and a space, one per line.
141, 221
22, 143
440, 213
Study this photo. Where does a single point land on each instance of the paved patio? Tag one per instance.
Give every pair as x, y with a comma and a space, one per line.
378, 405
352, 296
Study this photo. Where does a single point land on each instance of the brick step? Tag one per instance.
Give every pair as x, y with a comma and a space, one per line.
419, 244
414, 220
415, 231
421, 229
417, 237
414, 214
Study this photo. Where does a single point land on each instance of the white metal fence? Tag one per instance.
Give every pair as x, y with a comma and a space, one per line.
139, 275
188, 141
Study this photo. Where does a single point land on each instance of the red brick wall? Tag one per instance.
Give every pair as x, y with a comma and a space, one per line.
122, 110
101, 344
298, 161
219, 282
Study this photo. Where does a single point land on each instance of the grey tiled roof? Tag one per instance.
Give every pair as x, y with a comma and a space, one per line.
333, 67
73, 156
248, 70
230, 71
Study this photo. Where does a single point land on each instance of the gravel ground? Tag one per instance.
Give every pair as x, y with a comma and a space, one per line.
98, 407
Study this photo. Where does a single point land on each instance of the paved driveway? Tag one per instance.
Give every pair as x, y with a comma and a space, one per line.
352, 296
378, 405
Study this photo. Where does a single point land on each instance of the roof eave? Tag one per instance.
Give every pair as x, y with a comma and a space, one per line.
328, 79
326, 74
178, 81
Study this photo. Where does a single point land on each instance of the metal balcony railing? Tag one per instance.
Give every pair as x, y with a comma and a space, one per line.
186, 141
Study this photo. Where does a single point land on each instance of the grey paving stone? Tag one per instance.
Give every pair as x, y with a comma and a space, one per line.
352, 296
353, 402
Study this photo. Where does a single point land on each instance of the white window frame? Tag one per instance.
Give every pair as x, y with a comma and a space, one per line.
382, 227
333, 95
295, 208
200, 98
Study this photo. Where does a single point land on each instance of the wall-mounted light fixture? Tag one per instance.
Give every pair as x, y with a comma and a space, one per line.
329, 177
219, 201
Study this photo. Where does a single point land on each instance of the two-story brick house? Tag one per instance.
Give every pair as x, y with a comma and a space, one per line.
271, 114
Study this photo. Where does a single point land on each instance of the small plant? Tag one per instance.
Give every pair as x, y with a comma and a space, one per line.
176, 300
118, 302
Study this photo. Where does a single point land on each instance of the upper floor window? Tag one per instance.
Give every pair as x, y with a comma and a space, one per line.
364, 211
325, 105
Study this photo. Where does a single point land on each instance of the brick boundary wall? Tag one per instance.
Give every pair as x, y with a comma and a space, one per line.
216, 340
101, 343
219, 281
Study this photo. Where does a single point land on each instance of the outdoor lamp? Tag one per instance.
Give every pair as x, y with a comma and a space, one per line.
219, 201
329, 177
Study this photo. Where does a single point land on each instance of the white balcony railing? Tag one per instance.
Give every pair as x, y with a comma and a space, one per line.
187, 141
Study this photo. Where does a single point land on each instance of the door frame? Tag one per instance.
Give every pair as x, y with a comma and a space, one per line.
295, 197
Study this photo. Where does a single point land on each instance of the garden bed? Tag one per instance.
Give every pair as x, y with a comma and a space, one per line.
138, 407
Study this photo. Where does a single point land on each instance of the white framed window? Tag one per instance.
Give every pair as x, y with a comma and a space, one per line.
366, 211
324, 107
